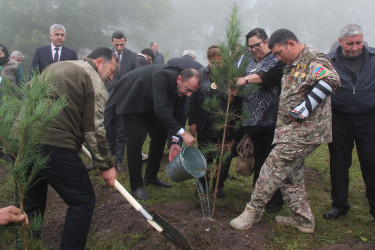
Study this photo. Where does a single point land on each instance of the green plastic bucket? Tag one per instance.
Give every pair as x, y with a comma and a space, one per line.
189, 163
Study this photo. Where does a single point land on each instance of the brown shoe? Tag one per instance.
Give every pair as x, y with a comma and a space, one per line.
291, 222
119, 167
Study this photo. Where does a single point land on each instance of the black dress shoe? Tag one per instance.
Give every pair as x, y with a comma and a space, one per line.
141, 194
158, 183
271, 208
119, 167
334, 213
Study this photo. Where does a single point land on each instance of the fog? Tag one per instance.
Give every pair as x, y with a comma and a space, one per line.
317, 23
175, 24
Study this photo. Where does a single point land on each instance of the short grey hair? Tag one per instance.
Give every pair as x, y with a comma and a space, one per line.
351, 30
16, 53
56, 27
189, 52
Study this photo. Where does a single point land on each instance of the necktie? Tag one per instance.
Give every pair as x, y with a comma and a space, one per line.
56, 55
118, 61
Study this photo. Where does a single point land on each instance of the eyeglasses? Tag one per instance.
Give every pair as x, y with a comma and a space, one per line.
254, 46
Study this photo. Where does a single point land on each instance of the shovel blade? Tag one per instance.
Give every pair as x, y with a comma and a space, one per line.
171, 233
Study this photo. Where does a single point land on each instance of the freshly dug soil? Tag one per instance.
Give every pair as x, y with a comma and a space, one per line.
115, 215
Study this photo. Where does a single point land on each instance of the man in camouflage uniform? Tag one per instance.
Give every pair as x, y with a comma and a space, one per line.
303, 123
80, 121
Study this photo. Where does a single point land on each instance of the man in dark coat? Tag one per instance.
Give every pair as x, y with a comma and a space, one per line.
54, 52
353, 118
126, 60
147, 97
186, 61
159, 57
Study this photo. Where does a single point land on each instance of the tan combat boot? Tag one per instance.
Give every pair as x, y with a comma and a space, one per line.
246, 220
290, 221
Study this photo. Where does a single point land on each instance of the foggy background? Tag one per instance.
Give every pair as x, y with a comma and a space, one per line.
175, 25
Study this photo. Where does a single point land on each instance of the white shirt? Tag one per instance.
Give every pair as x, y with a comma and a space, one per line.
54, 51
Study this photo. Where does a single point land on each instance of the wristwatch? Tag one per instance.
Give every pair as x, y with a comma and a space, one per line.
246, 79
175, 142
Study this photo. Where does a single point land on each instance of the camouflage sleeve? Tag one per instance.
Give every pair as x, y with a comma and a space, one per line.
96, 141
321, 68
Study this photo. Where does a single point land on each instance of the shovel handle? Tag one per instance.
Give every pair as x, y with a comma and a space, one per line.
130, 199
137, 206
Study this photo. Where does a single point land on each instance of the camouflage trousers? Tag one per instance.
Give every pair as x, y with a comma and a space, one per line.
283, 169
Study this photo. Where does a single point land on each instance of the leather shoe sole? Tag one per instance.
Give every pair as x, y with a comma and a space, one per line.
334, 213
158, 183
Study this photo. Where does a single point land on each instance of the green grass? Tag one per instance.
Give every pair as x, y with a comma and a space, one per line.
357, 226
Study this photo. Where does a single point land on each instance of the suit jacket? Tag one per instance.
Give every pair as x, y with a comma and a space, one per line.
159, 58
185, 62
151, 87
128, 63
43, 56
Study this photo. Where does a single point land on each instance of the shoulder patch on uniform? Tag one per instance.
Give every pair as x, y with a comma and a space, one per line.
320, 71
213, 86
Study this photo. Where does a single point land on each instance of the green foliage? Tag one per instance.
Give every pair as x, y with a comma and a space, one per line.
225, 75
25, 116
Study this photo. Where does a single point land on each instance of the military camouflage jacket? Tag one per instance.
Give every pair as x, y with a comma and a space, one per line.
82, 118
298, 80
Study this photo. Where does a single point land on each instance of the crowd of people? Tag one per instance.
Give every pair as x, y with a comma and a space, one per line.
304, 99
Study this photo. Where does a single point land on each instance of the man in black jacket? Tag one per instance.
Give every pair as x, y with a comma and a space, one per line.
147, 97
186, 61
126, 60
353, 118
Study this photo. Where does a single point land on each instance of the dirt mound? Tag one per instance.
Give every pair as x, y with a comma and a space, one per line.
115, 215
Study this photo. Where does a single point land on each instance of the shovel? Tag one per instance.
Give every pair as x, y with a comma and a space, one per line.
155, 220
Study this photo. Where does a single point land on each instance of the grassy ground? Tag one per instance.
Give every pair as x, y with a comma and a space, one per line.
356, 228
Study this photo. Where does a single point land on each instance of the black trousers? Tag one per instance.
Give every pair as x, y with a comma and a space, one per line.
262, 147
136, 127
67, 174
348, 129
116, 136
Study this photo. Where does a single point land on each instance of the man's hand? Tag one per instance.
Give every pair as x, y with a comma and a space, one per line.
173, 151
12, 214
110, 176
188, 139
296, 117
193, 129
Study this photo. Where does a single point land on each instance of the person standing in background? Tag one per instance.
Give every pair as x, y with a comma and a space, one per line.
159, 57
54, 52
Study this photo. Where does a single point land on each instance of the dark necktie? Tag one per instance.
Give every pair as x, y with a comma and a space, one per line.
56, 56
118, 61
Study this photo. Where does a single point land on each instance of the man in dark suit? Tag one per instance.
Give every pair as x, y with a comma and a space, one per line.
186, 61
54, 52
126, 60
159, 57
147, 96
